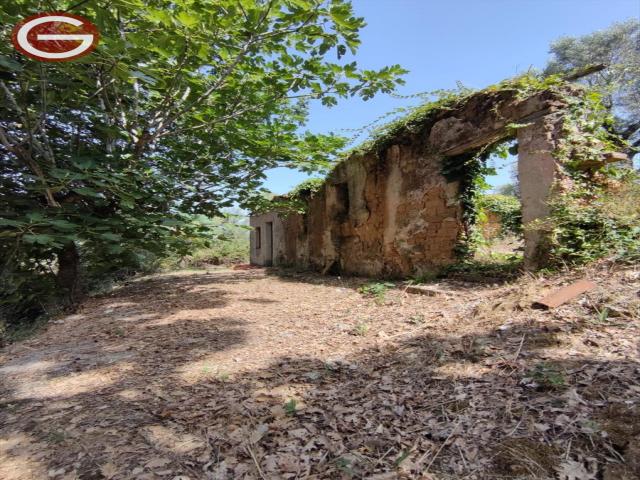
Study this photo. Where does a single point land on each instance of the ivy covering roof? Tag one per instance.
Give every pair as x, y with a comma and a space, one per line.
381, 137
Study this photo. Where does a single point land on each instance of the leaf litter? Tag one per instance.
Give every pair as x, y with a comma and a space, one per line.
254, 375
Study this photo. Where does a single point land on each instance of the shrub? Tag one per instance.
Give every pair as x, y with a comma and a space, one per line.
28, 290
506, 207
498, 266
229, 245
588, 223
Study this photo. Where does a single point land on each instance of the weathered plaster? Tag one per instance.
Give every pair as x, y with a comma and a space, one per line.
538, 171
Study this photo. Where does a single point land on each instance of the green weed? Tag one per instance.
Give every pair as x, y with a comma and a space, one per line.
56, 436
290, 407
424, 277
360, 329
548, 376
377, 290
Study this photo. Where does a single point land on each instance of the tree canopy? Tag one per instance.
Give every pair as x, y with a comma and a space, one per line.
176, 115
617, 48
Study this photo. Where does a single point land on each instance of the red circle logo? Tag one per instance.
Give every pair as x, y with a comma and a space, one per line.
55, 37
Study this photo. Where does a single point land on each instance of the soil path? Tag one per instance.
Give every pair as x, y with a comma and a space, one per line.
240, 374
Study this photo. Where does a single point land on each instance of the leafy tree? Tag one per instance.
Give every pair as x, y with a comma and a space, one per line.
618, 48
508, 190
176, 115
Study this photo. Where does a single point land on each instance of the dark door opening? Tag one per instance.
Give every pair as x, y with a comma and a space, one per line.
342, 201
258, 238
268, 252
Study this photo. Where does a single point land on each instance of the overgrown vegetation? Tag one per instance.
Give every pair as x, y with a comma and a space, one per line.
595, 212
297, 200
470, 170
589, 132
506, 207
590, 221
585, 221
495, 267
222, 240
229, 245
417, 117
617, 48
121, 162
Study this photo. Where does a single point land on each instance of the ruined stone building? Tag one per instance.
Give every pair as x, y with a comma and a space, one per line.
396, 209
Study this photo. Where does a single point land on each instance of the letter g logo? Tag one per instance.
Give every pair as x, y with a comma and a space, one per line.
55, 37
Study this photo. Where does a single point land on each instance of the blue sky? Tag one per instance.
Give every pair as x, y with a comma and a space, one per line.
441, 42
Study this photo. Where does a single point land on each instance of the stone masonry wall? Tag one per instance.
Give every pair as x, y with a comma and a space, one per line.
392, 212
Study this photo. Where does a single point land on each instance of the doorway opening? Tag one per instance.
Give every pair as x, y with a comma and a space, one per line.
342, 201
498, 229
268, 244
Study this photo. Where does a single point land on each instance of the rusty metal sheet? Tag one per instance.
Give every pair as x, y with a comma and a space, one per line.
565, 294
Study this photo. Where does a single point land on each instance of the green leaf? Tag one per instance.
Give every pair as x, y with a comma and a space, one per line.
172, 119
187, 19
41, 239
5, 222
144, 77
10, 64
63, 225
113, 237
88, 192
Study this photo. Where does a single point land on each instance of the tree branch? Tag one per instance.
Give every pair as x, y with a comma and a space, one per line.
47, 154
630, 130
583, 72
147, 137
13, 145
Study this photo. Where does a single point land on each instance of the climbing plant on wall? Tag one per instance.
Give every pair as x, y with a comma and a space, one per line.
596, 210
581, 225
586, 221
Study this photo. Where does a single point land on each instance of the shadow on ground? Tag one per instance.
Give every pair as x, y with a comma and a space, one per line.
491, 405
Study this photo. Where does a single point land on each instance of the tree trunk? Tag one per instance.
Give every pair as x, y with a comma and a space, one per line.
68, 278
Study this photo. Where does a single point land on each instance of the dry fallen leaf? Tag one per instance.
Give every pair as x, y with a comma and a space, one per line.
372, 409
572, 470
157, 462
258, 433
108, 470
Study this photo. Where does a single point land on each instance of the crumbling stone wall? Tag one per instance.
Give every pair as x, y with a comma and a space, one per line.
392, 211
492, 226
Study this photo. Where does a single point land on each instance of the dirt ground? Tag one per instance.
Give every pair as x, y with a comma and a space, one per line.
264, 375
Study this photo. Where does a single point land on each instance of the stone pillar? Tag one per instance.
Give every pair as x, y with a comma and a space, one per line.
538, 171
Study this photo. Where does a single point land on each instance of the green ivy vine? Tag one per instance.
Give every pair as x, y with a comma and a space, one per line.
595, 212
